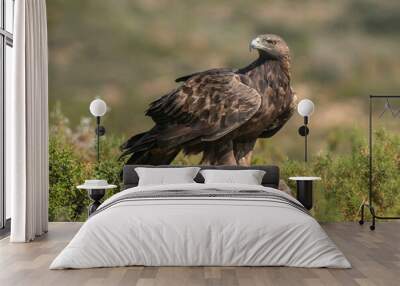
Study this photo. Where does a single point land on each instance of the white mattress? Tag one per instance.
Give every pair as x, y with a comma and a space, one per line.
200, 231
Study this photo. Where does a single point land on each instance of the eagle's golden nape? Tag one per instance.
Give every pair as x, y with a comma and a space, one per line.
220, 112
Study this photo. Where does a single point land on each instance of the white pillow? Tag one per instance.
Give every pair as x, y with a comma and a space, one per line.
165, 176
247, 177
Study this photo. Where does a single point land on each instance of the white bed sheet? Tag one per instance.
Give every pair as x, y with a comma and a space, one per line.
202, 232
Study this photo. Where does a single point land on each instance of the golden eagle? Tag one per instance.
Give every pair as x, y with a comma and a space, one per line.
220, 112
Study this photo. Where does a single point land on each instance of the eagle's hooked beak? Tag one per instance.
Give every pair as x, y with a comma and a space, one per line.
262, 49
255, 44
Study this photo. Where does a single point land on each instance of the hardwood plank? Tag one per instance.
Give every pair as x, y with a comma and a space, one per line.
375, 257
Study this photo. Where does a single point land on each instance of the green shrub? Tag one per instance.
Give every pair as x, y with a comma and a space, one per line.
66, 202
338, 196
345, 177
72, 161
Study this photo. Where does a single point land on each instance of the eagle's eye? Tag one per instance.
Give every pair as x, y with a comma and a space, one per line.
269, 41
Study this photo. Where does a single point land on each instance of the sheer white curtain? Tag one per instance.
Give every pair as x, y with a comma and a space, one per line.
27, 124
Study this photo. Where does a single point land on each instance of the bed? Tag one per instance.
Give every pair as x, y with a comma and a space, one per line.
201, 224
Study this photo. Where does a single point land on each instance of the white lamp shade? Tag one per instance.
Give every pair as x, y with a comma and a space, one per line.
98, 107
305, 107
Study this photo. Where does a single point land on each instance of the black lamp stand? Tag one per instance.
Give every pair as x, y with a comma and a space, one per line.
100, 131
97, 194
305, 193
304, 131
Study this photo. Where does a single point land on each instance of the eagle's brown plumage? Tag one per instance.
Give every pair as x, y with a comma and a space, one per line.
220, 112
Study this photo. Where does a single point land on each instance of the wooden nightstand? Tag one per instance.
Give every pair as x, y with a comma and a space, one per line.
305, 190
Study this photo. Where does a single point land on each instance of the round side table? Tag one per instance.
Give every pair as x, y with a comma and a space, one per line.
305, 190
95, 193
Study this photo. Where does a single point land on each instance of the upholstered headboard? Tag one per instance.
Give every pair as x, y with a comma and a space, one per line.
271, 177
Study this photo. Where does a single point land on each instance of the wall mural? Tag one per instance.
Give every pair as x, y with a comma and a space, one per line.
220, 112
342, 51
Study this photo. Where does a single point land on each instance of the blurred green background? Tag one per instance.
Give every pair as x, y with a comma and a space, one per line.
129, 53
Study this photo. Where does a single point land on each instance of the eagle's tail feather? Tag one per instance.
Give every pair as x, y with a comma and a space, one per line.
144, 150
131, 141
137, 143
149, 158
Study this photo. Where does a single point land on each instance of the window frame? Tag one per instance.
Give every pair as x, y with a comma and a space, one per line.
6, 39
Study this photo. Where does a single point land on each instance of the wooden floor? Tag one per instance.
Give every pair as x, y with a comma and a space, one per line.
375, 257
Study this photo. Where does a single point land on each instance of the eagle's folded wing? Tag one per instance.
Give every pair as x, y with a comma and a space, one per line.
208, 106
209, 72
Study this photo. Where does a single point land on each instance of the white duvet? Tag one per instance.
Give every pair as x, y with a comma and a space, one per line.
200, 231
